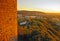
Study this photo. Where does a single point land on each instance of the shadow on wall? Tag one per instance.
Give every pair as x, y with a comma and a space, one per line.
14, 39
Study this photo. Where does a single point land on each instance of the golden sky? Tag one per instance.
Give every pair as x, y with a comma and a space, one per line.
39, 5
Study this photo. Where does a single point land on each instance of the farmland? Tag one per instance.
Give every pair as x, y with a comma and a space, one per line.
38, 26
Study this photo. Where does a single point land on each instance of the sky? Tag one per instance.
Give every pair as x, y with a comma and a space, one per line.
39, 5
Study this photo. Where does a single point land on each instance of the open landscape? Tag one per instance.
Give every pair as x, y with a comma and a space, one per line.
38, 26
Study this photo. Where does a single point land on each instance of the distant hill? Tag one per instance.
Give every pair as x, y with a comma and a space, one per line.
30, 13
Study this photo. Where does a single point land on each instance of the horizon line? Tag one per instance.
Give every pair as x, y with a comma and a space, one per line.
38, 11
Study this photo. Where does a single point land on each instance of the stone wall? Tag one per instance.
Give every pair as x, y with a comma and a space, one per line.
8, 20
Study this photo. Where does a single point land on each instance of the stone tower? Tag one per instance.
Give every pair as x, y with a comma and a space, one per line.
8, 20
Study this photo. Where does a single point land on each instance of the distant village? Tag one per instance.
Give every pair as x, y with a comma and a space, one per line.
42, 17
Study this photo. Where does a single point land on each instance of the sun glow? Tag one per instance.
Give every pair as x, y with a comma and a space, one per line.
39, 5
48, 9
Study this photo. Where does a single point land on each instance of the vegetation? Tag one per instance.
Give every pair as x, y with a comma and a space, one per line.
42, 28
